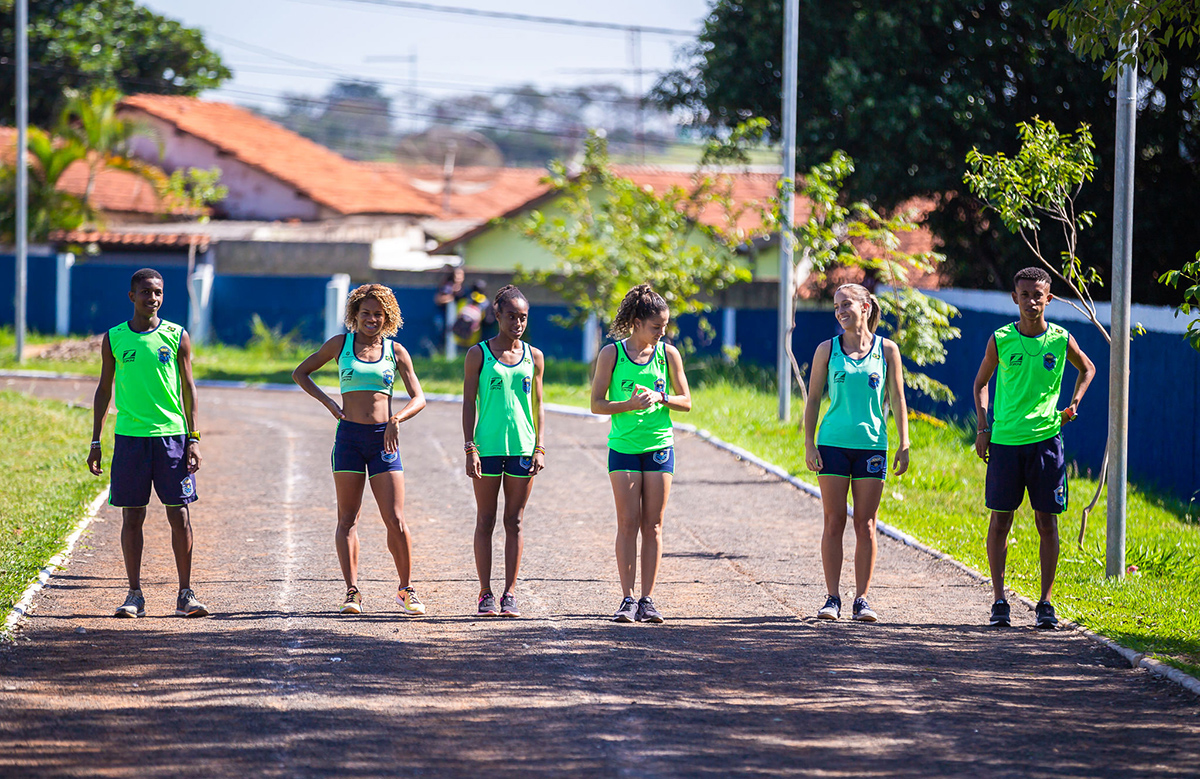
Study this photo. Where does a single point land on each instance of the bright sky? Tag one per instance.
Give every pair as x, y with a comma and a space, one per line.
275, 46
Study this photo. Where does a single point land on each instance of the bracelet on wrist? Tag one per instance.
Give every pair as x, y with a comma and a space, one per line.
983, 430
539, 449
95, 444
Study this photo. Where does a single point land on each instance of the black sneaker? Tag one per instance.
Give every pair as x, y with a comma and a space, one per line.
832, 608
647, 613
863, 612
487, 605
1000, 614
508, 605
627, 611
1046, 620
133, 607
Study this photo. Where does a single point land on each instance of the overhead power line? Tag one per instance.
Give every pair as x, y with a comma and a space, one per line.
526, 18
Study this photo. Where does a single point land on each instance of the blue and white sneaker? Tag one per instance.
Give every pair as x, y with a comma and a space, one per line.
832, 608
133, 607
627, 612
863, 612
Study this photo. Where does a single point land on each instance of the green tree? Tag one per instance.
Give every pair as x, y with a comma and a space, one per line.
50, 208
614, 234
85, 44
909, 89
91, 120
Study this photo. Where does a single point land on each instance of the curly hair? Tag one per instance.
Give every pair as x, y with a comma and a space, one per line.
392, 321
641, 302
863, 295
1036, 275
507, 292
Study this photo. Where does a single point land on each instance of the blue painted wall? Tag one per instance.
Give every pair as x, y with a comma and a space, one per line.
100, 295
40, 299
287, 302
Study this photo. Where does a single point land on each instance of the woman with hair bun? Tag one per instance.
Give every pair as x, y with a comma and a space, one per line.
849, 452
367, 443
504, 429
639, 380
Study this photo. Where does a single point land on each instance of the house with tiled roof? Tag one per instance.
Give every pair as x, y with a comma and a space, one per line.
272, 173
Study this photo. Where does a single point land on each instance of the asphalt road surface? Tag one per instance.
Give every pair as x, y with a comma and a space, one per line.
741, 680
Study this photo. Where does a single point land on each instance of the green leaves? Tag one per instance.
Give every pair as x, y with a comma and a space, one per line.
612, 234
1190, 272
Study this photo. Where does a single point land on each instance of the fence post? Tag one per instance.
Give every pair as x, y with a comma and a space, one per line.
728, 332
337, 289
448, 343
200, 303
591, 338
62, 293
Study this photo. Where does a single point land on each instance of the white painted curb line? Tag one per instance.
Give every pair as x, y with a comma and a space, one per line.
22, 607
1135, 659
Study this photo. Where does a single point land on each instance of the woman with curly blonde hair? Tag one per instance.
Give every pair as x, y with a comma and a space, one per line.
639, 380
367, 443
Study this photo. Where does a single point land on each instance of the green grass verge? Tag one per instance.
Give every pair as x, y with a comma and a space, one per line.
44, 485
939, 502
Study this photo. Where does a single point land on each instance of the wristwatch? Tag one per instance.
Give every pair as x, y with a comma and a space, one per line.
194, 435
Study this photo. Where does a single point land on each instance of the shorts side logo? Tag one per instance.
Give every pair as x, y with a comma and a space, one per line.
1060, 496
875, 464
661, 457
188, 488
526, 463
389, 457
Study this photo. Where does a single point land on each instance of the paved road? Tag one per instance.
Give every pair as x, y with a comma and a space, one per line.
740, 681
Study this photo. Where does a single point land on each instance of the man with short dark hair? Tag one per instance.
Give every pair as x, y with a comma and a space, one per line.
1023, 444
157, 444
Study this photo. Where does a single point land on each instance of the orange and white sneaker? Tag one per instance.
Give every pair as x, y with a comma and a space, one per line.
353, 602
409, 602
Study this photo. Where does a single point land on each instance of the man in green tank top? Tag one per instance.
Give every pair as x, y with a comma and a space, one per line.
149, 360
1023, 446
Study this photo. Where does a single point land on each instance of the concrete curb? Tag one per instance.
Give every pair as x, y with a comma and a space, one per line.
21, 608
1135, 659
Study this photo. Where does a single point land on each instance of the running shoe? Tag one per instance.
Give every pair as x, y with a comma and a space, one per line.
508, 605
353, 602
647, 613
413, 606
832, 608
133, 607
627, 611
1001, 614
863, 612
487, 605
1046, 619
187, 605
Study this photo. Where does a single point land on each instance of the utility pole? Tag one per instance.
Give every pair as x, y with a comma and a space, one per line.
791, 33
1122, 278
22, 31
635, 62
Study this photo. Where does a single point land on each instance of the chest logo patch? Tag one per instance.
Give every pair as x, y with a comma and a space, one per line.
1049, 360
527, 384
346, 374
660, 385
627, 386
164, 354
496, 383
839, 377
873, 381
388, 377
128, 355
1015, 359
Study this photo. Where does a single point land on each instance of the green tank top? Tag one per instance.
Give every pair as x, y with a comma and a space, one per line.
1028, 381
648, 429
354, 375
504, 405
855, 419
149, 391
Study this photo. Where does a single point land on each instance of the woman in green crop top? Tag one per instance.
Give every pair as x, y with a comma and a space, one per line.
367, 443
639, 380
503, 427
851, 448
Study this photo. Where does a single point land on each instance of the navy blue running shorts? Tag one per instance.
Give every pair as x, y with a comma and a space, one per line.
508, 465
358, 448
658, 461
1040, 468
853, 463
139, 462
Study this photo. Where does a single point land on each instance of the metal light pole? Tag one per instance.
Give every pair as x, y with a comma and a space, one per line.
1122, 276
791, 33
22, 172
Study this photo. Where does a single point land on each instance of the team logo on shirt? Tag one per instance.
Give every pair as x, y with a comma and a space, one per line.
1015, 360
128, 355
1049, 360
839, 377
496, 383
189, 489
662, 456
660, 385
526, 384
389, 457
388, 377
873, 381
347, 374
164, 354
627, 386
875, 464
